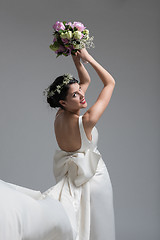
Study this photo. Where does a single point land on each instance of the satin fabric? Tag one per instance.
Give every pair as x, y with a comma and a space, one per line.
84, 188
24, 215
78, 207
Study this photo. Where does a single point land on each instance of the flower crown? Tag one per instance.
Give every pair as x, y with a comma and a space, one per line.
67, 77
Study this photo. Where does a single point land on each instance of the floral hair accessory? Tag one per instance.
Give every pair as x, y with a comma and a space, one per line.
66, 79
69, 37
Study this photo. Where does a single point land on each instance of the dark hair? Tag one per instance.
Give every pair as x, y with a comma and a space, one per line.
54, 100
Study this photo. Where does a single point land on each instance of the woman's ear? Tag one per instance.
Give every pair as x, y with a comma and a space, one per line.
62, 102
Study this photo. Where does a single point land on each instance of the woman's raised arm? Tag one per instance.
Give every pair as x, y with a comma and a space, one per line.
94, 112
82, 72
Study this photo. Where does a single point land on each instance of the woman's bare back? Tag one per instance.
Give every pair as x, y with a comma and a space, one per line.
66, 127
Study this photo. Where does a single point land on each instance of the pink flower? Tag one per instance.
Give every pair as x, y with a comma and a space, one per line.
79, 26
70, 24
58, 26
82, 35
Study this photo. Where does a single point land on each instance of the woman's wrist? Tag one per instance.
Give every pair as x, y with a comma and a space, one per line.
76, 60
90, 59
78, 64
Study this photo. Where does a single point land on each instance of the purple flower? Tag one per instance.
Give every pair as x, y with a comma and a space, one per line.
79, 26
61, 49
68, 51
55, 39
64, 40
58, 26
65, 51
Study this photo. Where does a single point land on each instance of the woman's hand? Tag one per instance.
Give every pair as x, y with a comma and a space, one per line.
84, 55
76, 58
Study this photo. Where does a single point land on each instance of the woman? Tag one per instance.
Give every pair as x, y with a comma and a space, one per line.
83, 183
80, 205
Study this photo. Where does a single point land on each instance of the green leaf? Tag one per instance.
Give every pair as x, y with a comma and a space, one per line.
60, 31
67, 27
58, 54
65, 54
51, 46
54, 46
74, 51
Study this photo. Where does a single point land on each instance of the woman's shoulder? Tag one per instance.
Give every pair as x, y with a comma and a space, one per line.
87, 123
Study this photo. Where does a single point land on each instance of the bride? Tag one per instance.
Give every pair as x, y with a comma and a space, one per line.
80, 205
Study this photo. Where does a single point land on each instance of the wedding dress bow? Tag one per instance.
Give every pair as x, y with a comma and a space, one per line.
78, 166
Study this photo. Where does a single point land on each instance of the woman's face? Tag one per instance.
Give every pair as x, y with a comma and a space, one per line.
75, 99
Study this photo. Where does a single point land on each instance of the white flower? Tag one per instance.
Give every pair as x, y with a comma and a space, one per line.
66, 81
77, 35
69, 35
63, 35
58, 90
51, 93
67, 77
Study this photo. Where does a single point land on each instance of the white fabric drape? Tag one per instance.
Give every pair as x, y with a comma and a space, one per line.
73, 171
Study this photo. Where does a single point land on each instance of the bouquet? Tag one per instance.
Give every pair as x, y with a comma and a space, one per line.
69, 37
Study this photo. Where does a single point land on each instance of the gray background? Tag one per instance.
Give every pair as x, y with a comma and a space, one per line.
126, 44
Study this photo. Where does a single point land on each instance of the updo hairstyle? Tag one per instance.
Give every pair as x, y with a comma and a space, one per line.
54, 100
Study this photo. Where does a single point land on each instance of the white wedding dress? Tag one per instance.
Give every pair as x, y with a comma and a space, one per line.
79, 207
